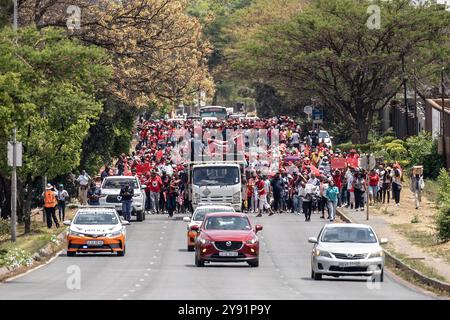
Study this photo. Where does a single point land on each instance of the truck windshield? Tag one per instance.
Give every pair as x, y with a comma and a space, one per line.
216, 176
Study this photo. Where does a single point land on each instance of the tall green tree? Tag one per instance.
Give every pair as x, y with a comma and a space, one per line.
47, 91
329, 52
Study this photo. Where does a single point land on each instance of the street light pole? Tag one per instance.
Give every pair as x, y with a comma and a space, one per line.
14, 187
443, 114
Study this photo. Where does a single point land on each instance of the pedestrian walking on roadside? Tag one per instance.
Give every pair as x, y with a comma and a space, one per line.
62, 196
332, 194
417, 186
127, 193
396, 176
359, 186
386, 185
154, 184
261, 185
83, 181
306, 193
374, 179
50, 203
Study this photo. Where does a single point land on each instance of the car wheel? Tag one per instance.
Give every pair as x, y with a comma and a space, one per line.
317, 276
121, 253
190, 248
71, 253
139, 216
199, 262
254, 263
382, 275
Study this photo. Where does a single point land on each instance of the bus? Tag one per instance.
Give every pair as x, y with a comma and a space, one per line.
213, 112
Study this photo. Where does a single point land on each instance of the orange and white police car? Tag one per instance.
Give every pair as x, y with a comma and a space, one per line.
96, 229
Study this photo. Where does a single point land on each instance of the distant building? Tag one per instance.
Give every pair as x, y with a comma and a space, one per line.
434, 123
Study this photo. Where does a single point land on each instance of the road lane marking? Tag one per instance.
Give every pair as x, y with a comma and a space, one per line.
145, 274
141, 280
137, 285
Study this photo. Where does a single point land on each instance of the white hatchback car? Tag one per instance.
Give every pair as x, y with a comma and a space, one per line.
347, 249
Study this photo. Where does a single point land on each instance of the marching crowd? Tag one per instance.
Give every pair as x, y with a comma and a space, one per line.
308, 176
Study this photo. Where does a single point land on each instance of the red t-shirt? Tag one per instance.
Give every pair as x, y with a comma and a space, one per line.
154, 184
373, 180
261, 187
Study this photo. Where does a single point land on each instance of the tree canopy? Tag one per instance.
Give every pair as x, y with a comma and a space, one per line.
326, 51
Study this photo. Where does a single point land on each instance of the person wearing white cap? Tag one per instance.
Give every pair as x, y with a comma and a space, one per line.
50, 203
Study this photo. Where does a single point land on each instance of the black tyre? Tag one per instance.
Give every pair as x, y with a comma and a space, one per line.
71, 253
140, 216
317, 276
190, 248
253, 263
382, 275
199, 262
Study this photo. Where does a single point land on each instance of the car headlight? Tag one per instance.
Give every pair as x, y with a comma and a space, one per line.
237, 197
252, 241
376, 254
204, 241
321, 253
114, 234
77, 234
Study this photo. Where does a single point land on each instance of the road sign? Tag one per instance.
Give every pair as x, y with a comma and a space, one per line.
308, 110
18, 154
317, 114
318, 121
367, 162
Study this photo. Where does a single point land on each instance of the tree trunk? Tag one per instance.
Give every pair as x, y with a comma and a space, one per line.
6, 189
363, 125
20, 201
27, 206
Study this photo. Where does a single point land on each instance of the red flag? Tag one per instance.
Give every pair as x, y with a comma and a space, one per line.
338, 163
314, 170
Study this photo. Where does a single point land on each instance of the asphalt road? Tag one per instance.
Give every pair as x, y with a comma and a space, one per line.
158, 266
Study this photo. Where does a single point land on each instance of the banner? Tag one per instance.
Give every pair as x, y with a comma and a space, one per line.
353, 162
338, 163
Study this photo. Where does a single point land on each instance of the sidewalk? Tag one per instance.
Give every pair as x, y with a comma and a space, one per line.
384, 226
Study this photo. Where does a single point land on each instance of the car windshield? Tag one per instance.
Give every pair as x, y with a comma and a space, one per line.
323, 135
94, 218
227, 223
215, 176
200, 213
347, 234
119, 183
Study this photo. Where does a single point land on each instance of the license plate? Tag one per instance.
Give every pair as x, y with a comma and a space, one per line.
96, 243
350, 264
228, 254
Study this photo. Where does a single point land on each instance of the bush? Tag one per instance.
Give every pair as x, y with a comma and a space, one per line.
423, 150
15, 258
4, 227
444, 187
443, 222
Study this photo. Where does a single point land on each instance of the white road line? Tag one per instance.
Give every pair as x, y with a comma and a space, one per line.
149, 269
155, 257
137, 285
125, 295
151, 262
141, 280
131, 290
145, 274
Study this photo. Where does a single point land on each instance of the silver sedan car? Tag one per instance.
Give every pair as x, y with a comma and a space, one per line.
347, 249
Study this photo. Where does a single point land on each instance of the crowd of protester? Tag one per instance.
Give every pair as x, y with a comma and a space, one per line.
308, 177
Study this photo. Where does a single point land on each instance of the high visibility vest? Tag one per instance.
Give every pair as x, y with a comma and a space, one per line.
49, 199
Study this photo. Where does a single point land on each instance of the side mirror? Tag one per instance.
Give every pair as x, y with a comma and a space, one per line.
312, 240
195, 228
331, 137
187, 219
143, 187
67, 222
384, 241
258, 228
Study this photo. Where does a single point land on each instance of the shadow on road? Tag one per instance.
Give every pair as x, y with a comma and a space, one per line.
219, 266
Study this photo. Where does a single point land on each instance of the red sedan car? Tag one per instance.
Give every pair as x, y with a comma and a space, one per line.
227, 237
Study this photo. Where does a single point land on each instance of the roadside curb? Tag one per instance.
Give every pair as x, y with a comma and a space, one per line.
40, 257
435, 284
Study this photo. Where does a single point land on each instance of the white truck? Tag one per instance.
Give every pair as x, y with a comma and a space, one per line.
216, 182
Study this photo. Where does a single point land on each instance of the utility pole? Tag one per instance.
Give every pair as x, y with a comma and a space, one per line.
15, 16
367, 186
416, 113
405, 96
14, 187
443, 114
